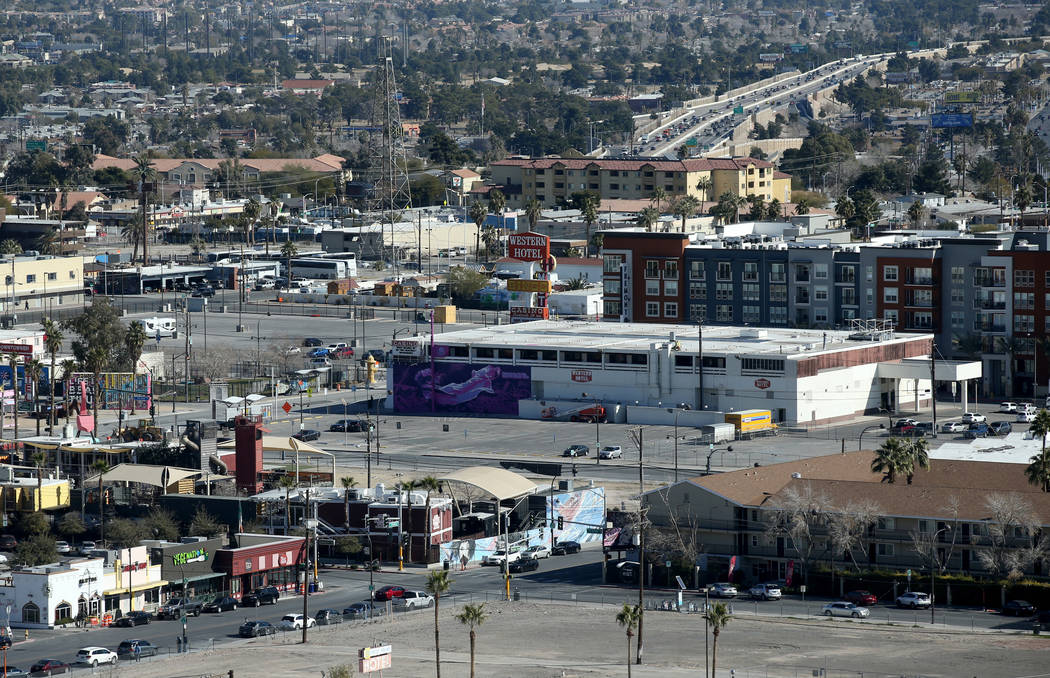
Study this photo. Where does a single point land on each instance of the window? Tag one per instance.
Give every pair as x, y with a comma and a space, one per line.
63, 611
30, 613
1024, 323
777, 273
52, 276
869, 296
714, 362
847, 274
889, 273
72, 275
1024, 301
751, 292
802, 273
652, 269
541, 184
761, 365
698, 290
31, 278
959, 320
820, 271
724, 291
869, 273
612, 309
886, 524
778, 293
891, 315
725, 271
820, 294
778, 315
751, 270
670, 309
958, 295
801, 295
697, 270
670, 288
958, 275
697, 312
724, 313
612, 263
922, 320
1024, 278
849, 296
886, 550
924, 526
889, 295
611, 287
752, 314
820, 315
671, 270
921, 276
652, 288
652, 309
921, 298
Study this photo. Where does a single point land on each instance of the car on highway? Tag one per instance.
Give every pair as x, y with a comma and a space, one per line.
254, 629
307, 434
292, 622
765, 592
389, 592
49, 667
327, 616
221, 604
914, 600
861, 597
93, 656
538, 551
1018, 608
844, 609
954, 427
722, 590
127, 648
134, 618
413, 599
564, 548
362, 610
576, 451
611, 452
973, 417
525, 564
264, 595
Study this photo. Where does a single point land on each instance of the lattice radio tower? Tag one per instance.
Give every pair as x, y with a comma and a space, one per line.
388, 165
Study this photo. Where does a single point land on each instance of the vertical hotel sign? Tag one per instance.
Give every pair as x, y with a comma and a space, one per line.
532, 247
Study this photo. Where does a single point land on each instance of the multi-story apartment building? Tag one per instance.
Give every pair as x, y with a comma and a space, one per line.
552, 181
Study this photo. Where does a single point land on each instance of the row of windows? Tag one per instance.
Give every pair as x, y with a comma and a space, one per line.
553, 355
611, 173
762, 364
51, 276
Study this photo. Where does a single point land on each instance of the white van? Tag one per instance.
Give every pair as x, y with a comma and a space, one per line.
160, 327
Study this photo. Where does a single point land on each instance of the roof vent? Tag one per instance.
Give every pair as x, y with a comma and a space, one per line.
796, 474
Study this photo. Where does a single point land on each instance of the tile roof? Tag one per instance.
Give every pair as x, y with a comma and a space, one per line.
690, 165
322, 163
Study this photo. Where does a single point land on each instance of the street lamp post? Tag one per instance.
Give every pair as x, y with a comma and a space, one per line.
711, 453
860, 438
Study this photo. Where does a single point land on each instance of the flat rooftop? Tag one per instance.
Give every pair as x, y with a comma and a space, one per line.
1014, 448
583, 335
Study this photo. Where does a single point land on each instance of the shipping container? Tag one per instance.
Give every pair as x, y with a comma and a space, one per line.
751, 421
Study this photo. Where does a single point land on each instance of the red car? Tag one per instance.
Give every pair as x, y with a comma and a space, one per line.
390, 592
862, 598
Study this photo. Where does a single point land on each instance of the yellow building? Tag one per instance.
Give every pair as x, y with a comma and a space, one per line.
41, 282
553, 180
23, 494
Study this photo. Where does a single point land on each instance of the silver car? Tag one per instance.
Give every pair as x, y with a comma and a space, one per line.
844, 609
765, 592
722, 590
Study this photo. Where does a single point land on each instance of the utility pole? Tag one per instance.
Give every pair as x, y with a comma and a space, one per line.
306, 567
189, 344
636, 436
933, 384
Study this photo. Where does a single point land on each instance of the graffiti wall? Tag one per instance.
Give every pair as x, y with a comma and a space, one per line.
467, 551
460, 388
118, 389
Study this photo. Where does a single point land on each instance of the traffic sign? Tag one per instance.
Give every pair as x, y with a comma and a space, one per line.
36, 145
393, 523
287, 407
594, 530
738, 110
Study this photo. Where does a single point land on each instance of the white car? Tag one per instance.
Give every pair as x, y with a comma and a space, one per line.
93, 656
413, 599
1025, 417
844, 609
62, 547
539, 551
291, 622
954, 427
611, 452
765, 592
499, 556
973, 418
914, 600
1007, 407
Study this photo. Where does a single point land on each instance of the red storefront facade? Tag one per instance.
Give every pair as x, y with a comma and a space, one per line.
261, 560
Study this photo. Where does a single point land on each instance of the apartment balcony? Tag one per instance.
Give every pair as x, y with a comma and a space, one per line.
846, 280
919, 303
919, 280
989, 281
989, 304
989, 328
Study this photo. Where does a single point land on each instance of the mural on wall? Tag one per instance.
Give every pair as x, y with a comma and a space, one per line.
119, 389
462, 388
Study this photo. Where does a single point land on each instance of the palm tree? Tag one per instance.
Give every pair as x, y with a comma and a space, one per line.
802, 206
590, 215
685, 207
1038, 472
1023, 198
647, 218
497, 204
348, 483
406, 487
1010, 346
628, 619
428, 484
704, 185
100, 467
13, 361
52, 344
473, 616
95, 361
717, 617
33, 369
918, 456
844, 208
889, 459
532, 212
134, 339
198, 247
287, 483
438, 583
251, 212
289, 250
658, 197
144, 173
773, 210
916, 212
477, 215
69, 366
38, 461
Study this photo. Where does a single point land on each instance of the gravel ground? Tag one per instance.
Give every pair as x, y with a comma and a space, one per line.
544, 641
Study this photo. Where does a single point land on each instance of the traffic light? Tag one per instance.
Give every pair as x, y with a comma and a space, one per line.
561, 522
574, 470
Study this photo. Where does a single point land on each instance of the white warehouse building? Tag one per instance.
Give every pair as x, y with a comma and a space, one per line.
640, 371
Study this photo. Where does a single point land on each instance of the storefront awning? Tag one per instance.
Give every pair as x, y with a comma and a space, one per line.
196, 577
136, 589
157, 476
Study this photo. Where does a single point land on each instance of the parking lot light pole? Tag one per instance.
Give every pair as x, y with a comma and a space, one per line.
860, 438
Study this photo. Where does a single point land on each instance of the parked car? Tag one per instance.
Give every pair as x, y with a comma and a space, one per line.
414, 599
1018, 608
48, 667
564, 548
87, 547
176, 607
204, 291
1007, 407
389, 592
221, 604
376, 354
538, 551
93, 656
525, 564
576, 451
317, 353
352, 426
62, 547
292, 622
126, 649
844, 609
861, 597
765, 592
266, 595
14, 672
914, 599
611, 452
135, 618
362, 610
954, 427
327, 616
977, 430
722, 590
500, 556
8, 542
311, 341
1000, 428
307, 434
903, 426
973, 417
1025, 417
254, 629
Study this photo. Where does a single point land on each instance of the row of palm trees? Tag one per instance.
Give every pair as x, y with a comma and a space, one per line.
717, 618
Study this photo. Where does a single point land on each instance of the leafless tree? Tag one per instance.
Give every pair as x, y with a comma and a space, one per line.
850, 526
798, 515
214, 364
933, 550
681, 534
1013, 536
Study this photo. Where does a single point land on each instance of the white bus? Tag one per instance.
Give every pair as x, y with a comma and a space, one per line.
324, 269
160, 327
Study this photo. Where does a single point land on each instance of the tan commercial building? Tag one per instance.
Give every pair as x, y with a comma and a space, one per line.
37, 282
554, 180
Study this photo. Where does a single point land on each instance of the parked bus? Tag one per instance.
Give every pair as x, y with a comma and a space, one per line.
324, 269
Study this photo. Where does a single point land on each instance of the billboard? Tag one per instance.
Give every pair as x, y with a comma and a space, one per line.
527, 285
951, 120
521, 314
120, 390
960, 97
460, 388
528, 246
